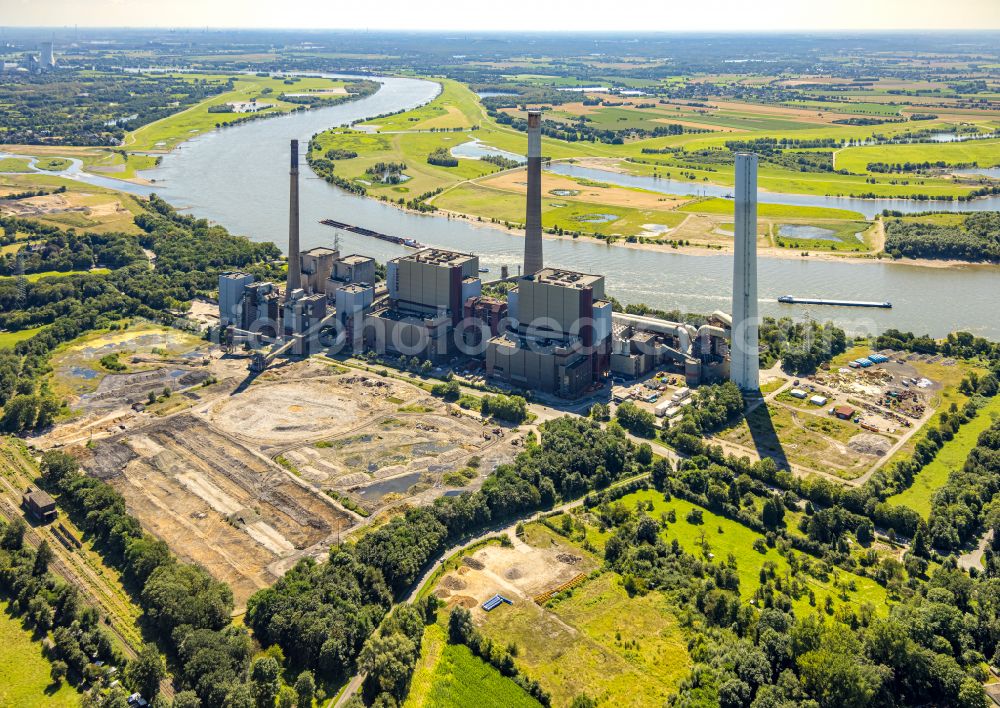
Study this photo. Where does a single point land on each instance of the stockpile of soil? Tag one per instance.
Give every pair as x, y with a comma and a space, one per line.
868, 444
473, 563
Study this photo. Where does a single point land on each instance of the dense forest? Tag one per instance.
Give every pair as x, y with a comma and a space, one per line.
977, 238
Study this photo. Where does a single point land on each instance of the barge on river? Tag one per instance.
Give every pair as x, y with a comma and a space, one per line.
789, 300
398, 240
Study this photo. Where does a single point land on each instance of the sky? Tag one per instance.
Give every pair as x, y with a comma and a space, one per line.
549, 15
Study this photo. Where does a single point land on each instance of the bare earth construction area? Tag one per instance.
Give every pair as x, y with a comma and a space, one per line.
251, 478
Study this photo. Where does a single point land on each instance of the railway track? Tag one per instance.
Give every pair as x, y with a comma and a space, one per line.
74, 566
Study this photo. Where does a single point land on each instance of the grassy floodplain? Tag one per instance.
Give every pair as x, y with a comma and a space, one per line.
474, 189
164, 134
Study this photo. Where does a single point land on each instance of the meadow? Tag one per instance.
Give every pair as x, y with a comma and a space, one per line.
717, 537
24, 672
597, 641
451, 676
951, 456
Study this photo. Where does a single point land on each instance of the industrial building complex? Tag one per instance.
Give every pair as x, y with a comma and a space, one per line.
554, 333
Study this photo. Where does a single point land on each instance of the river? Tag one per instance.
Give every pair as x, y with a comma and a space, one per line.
238, 177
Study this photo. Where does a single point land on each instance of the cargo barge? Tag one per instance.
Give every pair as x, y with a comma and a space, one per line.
398, 240
789, 300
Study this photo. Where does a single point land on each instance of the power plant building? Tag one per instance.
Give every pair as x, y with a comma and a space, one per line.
350, 270
642, 344
315, 266
302, 312
427, 292
231, 297
561, 340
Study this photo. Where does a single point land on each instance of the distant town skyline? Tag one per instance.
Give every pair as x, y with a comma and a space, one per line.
556, 15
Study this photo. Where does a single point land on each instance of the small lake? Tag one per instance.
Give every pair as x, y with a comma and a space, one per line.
993, 172
487, 94
477, 150
867, 207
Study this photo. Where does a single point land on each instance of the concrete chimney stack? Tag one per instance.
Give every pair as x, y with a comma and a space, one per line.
744, 368
294, 269
533, 211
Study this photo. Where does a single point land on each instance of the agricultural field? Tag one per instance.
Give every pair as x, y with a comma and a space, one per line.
24, 671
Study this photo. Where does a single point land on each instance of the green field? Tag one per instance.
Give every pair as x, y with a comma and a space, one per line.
738, 540
842, 236
24, 672
582, 644
9, 339
557, 212
52, 164
451, 676
35, 277
13, 164
951, 456
725, 207
984, 152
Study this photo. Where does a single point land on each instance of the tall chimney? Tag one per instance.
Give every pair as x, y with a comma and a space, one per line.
533, 210
744, 362
294, 268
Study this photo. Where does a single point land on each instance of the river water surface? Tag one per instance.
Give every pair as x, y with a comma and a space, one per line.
239, 177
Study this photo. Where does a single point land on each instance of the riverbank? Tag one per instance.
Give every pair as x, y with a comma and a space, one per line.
703, 251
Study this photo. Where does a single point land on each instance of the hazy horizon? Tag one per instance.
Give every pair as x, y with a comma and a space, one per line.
557, 16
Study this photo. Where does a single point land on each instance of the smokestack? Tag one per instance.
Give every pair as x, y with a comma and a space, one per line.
533, 210
294, 269
744, 368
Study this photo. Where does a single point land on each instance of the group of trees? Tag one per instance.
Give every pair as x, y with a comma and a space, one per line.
977, 238
390, 655
801, 346
190, 255
968, 500
927, 651
48, 604
442, 158
83, 107
68, 250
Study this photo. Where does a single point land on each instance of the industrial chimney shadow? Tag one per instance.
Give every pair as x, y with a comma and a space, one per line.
765, 436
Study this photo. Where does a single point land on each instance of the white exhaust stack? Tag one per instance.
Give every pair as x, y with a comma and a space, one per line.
533, 209
744, 368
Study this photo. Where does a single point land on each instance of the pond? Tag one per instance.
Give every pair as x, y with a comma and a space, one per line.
396, 485
477, 150
811, 232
